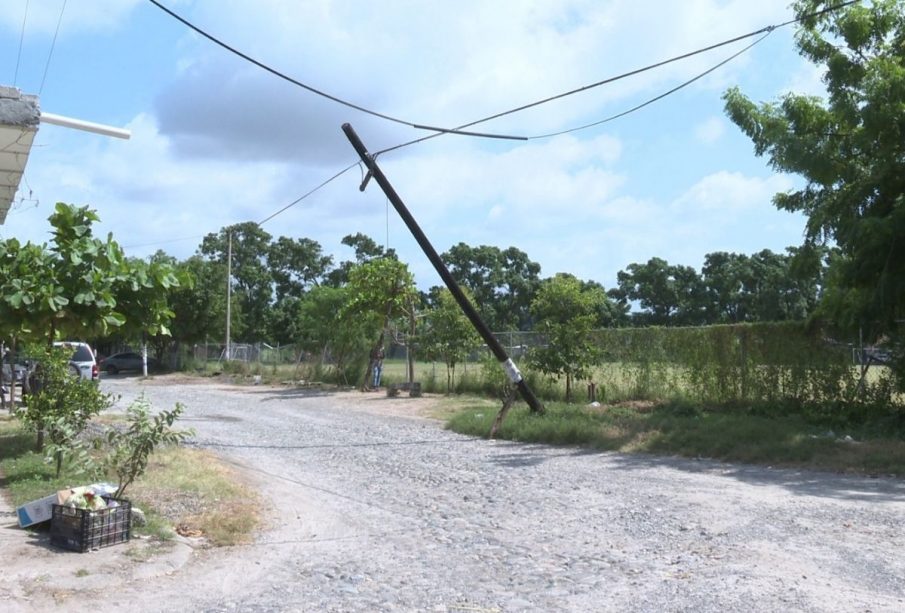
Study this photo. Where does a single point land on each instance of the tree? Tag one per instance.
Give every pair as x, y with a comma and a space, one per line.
199, 307
83, 276
253, 281
131, 448
60, 405
669, 295
724, 275
296, 265
327, 327
143, 299
503, 283
450, 336
850, 150
565, 315
366, 249
382, 289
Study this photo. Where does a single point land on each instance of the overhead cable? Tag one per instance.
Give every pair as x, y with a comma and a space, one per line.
654, 99
21, 40
766, 31
310, 88
52, 45
631, 73
305, 195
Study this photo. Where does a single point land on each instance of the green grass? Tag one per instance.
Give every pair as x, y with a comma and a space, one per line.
684, 430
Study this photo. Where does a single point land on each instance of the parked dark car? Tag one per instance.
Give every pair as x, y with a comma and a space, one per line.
5, 373
127, 360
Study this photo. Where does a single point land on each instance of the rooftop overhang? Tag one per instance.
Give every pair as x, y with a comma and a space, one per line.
19, 120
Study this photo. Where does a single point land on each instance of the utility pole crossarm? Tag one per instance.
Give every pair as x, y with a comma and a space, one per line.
499, 353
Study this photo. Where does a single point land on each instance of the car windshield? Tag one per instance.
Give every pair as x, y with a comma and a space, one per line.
82, 354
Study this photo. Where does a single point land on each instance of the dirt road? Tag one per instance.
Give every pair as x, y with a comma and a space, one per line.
374, 509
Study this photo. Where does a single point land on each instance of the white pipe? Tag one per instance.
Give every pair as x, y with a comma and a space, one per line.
87, 126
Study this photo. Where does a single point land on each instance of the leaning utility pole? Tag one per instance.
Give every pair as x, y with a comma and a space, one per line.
499, 353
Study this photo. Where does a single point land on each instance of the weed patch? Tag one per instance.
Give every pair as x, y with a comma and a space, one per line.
180, 487
684, 429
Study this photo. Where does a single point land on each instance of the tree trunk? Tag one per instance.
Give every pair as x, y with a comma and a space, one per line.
369, 373
409, 354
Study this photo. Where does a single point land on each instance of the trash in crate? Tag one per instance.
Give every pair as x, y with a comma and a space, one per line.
83, 529
39, 511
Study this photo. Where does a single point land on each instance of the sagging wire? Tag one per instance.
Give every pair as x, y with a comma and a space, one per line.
52, 46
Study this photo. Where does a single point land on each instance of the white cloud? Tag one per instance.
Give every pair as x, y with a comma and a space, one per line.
807, 80
710, 131
217, 141
437, 64
728, 193
41, 16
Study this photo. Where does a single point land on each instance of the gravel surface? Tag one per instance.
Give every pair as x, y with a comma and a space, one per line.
371, 508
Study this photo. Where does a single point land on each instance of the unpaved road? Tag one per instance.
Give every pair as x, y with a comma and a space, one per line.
370, 510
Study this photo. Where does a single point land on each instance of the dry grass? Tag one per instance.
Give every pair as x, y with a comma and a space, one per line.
198, 494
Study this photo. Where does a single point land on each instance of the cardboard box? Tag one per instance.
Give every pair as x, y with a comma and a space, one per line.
41, 510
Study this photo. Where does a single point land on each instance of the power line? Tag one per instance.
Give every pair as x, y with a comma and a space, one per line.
310, 88
655, 98
766, 31
631, 73
52, 45
21, 40
166, 242
305, 195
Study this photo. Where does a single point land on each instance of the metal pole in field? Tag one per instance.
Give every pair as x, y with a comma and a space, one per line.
229, 289
499, 353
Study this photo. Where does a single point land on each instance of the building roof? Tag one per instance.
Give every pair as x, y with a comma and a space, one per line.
19, 120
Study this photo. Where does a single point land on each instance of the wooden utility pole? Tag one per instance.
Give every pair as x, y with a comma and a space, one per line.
496, 348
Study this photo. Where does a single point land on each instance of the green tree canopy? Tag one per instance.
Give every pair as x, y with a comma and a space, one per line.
502, 281
565, 315
449, 335
850, 150
253, 279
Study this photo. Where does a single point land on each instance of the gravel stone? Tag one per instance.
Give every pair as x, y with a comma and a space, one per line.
371, 509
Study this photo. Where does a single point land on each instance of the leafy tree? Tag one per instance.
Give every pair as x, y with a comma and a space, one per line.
253, 281
366, 249
284, 323
610, 314
724, 275
85, 272
850, 150
449, 335
565, 315
199, 307
503, 283
381, 290
60, 405
328, 328
296, 265
143, 299
669, 295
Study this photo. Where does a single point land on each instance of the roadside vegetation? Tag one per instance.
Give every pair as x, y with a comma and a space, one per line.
772, 436
182, 489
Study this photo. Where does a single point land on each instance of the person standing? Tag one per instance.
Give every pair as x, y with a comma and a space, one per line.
377, 358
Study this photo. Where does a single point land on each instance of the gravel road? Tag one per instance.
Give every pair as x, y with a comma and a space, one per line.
373, 509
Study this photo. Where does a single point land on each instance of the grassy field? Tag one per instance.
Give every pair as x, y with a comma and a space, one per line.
873, 448
183, 489
615, 382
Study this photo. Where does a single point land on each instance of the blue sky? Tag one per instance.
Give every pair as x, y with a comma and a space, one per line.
218, 141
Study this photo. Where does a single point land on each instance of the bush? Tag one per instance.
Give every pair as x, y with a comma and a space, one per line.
59, 406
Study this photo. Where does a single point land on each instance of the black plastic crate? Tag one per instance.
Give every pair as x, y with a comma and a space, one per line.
83, 530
